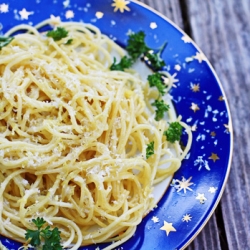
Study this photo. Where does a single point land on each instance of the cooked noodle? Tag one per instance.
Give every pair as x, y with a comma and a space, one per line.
73, 138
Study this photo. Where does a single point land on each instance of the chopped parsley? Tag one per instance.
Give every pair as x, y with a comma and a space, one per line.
174, 132
4, 41
50, 238
150, 149
57, 34
161, 108
136, 45
123, 64
69, 41
155, 80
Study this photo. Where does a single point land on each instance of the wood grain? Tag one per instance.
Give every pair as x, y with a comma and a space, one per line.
223, 35
222, 31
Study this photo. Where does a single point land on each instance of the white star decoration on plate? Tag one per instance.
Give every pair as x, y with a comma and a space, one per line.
201, 198
4, 8
153, 25
99, 14
212, 190
155, 219
69, 14
186, 39
25, 14
55, 20
183, 184
200, 57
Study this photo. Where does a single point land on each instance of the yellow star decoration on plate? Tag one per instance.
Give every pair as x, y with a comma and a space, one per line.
214, 157
120, 5
201, 198
194, 107
213, 134
186, 218
221, 98
195, 87
168, 227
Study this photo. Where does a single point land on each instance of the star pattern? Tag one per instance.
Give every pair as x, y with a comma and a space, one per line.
186, 218
228, 128
195, 87
200, 57
183, 184
186, 39
155, 219
194, 127
177, 67
201, 198
212, 190
168, 227
25, 14
194, 107
153, 25
213, 134
4, 8
99, 14
214, 157
221, 98
55, 20
120, 5
69, 14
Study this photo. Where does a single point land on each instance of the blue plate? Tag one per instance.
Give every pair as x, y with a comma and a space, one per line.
198, 96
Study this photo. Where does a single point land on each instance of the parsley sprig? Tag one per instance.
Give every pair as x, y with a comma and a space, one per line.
4, 41
174, 132
150, 149
57, 34
155, 80
125, 63
137, 47
50, 238
161, 108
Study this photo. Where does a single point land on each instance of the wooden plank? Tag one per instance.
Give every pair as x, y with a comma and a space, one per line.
168, 8
208, 238
221, 29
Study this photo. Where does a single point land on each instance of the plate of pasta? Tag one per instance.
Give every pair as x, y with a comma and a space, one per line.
112, 135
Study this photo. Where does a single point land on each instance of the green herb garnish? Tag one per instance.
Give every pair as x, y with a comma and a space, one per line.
50, 238
4, 41
136, 45
123, 64
57, 34
174, 132
155, 80
69, 41
150, 149
161, 108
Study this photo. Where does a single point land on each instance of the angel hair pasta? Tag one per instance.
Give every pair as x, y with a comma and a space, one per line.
74, 137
